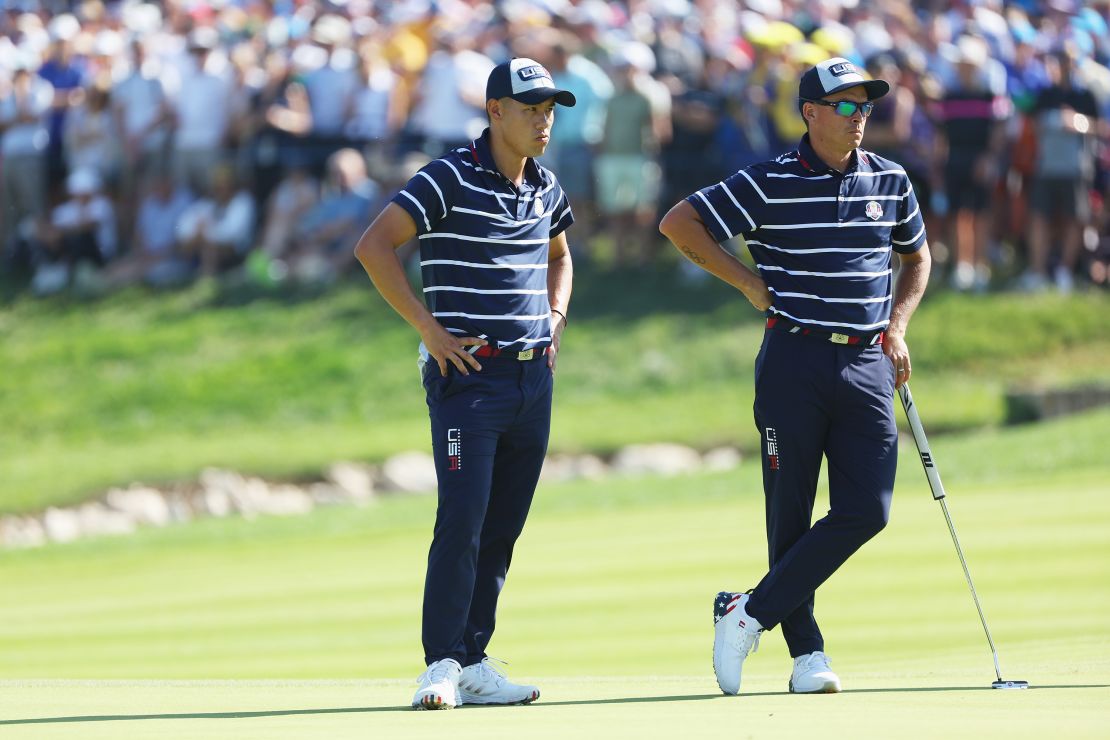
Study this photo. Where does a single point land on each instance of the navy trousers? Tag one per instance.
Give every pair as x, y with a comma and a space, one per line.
489, 439
817, 399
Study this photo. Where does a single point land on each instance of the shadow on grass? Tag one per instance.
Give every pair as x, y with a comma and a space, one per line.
577, 702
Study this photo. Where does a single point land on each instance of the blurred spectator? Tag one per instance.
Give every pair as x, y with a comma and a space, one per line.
973, 137
215, 233
24, 108
331, 87
276, 125
63, 71
689, 162
81, 234
1066, 118
153, 256
321, 247
277, 87
574, 140
142, 117
627, 168
291, 200
450, 100
378, 106
91, 137
202, 116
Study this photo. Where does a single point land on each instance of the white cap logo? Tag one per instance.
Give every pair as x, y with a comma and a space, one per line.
527, 74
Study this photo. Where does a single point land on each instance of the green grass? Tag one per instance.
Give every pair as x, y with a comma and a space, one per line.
183, 631
156, 387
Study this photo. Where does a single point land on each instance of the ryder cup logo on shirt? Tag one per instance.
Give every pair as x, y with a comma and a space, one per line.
873, 210
539, 207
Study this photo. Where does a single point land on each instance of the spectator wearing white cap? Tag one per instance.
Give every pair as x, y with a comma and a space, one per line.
81, 234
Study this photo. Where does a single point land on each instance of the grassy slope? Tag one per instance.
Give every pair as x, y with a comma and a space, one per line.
612, 579
156, 388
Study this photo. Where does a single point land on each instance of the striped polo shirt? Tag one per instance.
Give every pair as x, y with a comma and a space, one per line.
821, 239
484, 245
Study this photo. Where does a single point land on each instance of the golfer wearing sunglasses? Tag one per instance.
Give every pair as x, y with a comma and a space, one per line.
822, 223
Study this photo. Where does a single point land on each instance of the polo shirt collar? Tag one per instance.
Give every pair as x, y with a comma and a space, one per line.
482, 153
809, 159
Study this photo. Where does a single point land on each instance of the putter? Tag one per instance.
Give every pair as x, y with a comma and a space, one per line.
937, 488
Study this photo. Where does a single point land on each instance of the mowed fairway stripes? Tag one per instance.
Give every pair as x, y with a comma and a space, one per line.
607, 606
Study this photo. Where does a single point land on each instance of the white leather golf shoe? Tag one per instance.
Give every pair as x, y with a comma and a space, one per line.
486, 683
735, 635
439, 686
812, 675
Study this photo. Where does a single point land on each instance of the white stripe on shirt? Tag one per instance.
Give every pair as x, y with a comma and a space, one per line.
840, 225
423, 213
493, 317
714, 212
830, 300
912, 239
776, 268
442, 202
862, 327
813, 250
484, 265
458, 289
736, 203
465, 238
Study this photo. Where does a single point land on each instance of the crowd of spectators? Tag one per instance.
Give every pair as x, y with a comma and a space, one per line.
165, 142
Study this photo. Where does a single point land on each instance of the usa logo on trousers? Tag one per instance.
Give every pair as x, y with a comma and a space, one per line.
772, 438
454, 449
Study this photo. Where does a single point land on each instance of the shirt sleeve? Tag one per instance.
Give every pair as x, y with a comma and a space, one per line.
728, 208
426, 195
908, 233
561, 215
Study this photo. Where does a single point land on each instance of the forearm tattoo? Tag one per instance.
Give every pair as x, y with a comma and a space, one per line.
692, 255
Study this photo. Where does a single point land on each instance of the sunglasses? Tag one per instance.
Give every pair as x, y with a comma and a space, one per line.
846, 108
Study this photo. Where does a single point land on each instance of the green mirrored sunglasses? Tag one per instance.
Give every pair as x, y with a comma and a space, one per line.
846, 108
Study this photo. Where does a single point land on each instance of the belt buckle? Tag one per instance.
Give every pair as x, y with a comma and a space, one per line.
526, 354
839, 338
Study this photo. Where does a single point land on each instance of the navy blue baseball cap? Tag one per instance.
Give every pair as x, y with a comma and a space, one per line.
834, 75
525, 81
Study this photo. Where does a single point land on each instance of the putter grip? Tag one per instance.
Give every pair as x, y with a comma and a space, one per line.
921, 441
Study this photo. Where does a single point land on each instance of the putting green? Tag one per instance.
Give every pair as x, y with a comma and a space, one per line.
942, 705
608, 608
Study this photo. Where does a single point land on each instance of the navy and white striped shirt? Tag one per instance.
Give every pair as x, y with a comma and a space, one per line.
484, 245
821, 239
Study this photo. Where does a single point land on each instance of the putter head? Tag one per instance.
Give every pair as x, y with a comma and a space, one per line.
1010, 685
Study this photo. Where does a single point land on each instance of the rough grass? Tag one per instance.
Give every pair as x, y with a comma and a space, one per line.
156, 387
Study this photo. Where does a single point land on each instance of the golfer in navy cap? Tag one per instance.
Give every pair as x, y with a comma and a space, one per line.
823, 223
496, 281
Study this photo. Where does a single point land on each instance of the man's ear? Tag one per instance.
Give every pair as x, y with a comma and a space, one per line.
493, 108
